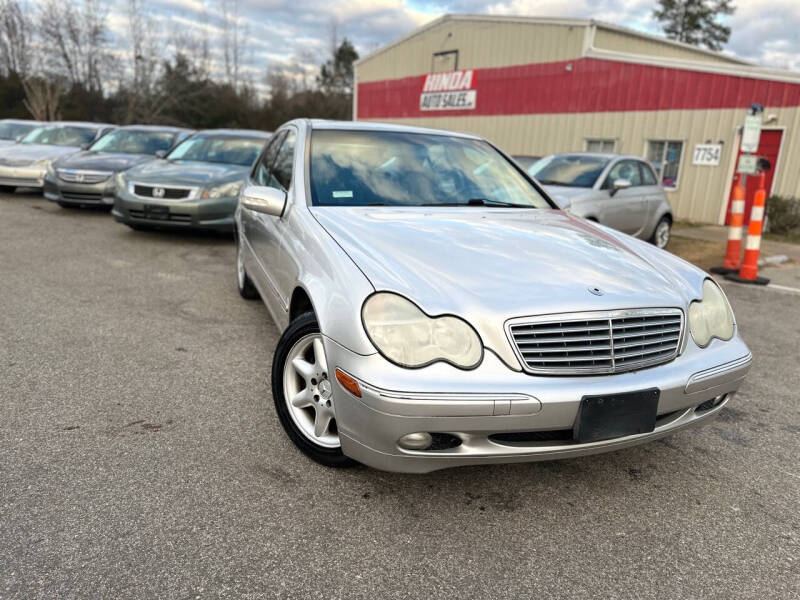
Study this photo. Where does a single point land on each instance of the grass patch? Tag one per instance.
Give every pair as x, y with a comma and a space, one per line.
703, 253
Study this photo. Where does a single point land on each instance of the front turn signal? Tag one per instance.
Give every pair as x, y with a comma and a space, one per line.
348, 383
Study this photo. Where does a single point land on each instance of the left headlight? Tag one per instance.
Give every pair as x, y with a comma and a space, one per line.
119, 181
711, 317
408, 337
224, 190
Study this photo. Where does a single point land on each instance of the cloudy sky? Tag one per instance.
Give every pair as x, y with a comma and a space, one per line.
282, 31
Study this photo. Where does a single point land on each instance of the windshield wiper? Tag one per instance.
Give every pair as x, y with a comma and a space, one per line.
479, 202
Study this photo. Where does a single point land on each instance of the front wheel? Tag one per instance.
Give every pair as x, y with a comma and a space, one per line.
660, 237
7, 189
303, 393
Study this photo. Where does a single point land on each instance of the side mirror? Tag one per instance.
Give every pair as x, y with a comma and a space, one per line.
86, 146
620, 184
262, 199
161, 154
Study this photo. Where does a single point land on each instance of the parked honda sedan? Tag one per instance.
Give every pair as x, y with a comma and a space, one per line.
11, 130
87, 178
195, 186
25, 164
437, 309
619, 191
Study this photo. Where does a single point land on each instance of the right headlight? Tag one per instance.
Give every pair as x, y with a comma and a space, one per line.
119, 181
711, 317
408, 337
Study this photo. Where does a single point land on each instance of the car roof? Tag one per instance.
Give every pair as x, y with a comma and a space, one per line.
238, 132
76, 124
377, 126
156, 128
21, 121
606, 155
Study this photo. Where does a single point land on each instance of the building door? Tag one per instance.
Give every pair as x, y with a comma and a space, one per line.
769, 146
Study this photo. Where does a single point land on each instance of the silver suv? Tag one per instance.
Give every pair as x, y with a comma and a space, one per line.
618, 191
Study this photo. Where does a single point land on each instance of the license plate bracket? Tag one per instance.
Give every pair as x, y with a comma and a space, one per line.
610, 416
157, 212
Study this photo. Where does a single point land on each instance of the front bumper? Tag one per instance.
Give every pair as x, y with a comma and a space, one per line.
198, 213
475, 406
79, 194
29, 177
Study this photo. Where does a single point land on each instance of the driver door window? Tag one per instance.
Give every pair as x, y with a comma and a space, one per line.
624, 169
281, 172
260, 174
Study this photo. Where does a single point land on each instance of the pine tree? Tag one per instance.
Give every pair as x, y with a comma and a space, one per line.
695, 21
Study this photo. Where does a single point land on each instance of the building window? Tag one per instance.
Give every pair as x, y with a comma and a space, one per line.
601, 145
444, 61
665, 156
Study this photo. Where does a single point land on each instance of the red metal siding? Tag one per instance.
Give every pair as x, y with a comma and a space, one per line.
592, 85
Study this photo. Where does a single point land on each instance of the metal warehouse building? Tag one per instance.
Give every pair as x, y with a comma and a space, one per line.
535, 86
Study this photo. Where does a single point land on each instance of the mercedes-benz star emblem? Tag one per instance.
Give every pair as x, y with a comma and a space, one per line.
596, 291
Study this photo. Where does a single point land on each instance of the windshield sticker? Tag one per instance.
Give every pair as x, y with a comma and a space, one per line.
343, 194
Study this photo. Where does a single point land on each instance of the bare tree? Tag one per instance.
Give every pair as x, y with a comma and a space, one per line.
43, 96
16, 33
234, 40
76, 36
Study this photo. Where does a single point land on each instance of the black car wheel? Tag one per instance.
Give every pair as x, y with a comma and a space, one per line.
303, 395
7, 189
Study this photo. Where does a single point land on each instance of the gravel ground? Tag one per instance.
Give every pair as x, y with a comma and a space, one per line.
140, 456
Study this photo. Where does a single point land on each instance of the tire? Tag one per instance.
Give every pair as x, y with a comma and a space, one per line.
247, 290
7, 189
309, 420
660, 237
66, 205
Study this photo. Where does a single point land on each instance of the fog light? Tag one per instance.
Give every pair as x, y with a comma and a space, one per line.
415, 441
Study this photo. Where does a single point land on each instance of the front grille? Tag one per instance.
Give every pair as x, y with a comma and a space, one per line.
76, 176
82, 197
149, 191
598, 342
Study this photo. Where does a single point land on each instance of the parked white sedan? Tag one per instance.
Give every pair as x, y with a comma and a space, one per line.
437, 309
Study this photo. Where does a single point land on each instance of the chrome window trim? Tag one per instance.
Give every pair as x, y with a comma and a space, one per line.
596, 315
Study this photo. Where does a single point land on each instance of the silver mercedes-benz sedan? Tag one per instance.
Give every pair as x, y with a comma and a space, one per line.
612, 189
437, 309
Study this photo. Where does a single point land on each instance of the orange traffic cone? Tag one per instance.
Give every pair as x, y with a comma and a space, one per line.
733, 252
749, 271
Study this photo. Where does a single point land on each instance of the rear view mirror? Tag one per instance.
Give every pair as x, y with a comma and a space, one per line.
262, 199
620, 184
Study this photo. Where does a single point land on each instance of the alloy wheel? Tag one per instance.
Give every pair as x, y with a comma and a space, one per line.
662, 234
308, 393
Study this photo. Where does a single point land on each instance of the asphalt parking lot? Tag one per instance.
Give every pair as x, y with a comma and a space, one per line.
140, 456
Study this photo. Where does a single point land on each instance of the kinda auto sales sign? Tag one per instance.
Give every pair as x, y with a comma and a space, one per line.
448, 91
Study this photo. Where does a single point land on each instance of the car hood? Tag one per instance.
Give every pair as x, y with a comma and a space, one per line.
565, 196
103, 161
181, 172
21, 155
489, 265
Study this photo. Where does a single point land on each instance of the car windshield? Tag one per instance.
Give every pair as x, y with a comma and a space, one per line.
218, 149
362, 168
11, 131
134, 141
60, 136
573, 170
